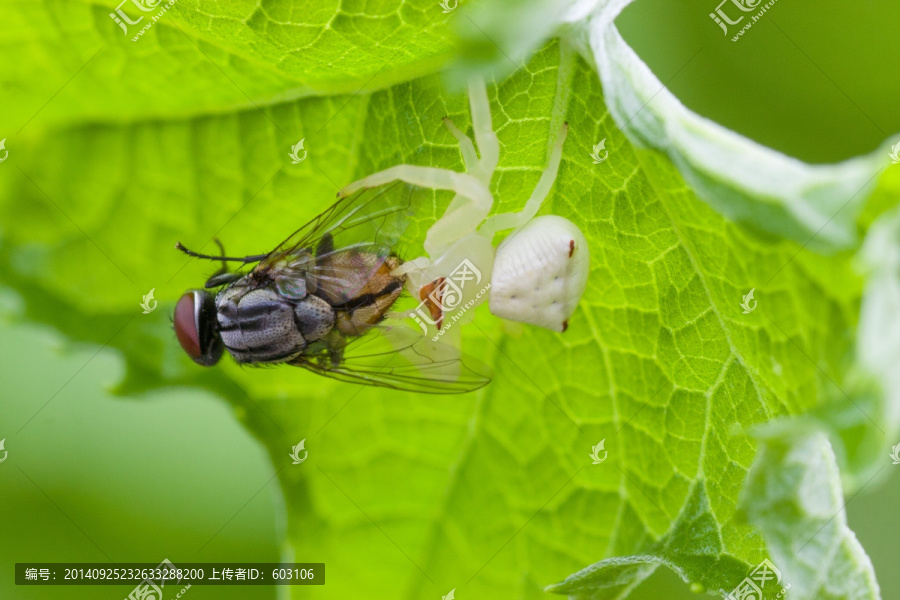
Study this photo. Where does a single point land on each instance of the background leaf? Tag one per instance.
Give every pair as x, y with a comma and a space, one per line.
201, 59
798, 504
815, 205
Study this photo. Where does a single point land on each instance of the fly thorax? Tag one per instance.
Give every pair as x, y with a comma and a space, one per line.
258, 326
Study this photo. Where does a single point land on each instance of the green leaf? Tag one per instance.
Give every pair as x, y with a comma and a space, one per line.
693, 549
815, 205
794, 497
879, 329
492, 494
202, 59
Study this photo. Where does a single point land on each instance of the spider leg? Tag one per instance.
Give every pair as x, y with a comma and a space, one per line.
452, 227
459, 272
487, 141
460, 218
466, 147
428, 177
473, 201
488, 145
538, 195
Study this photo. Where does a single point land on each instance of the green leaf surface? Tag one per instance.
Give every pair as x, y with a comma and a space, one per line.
405, 495
201, 58
794, 497
693, 548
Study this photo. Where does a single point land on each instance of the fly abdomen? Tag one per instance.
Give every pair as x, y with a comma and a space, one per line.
258, 327
315, 318
358, 315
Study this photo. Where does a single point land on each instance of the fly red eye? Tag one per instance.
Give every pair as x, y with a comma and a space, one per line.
186, 326
194, 327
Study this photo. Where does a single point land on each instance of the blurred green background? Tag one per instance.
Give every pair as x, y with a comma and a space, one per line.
170, 473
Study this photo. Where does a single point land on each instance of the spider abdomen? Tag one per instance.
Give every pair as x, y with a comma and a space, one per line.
540, 273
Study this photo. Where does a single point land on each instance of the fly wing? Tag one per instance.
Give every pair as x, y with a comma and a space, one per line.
337, 252
401, 358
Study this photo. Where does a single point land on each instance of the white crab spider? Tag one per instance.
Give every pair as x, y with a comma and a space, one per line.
539, 272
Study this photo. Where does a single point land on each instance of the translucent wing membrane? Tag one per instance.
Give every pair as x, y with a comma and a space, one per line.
401, 358
336, 253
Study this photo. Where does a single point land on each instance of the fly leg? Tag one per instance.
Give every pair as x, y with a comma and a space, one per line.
326, 246
335, 343
224, 268
222, 276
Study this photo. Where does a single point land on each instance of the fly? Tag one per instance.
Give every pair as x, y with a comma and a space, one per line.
319, 301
